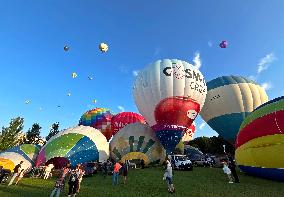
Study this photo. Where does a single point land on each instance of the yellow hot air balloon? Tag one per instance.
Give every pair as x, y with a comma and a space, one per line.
103, 47
74, 75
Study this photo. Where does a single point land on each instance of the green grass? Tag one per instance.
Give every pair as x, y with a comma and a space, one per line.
148, 182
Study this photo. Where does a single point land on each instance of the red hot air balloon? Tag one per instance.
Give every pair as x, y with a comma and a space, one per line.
122, 119
223, 44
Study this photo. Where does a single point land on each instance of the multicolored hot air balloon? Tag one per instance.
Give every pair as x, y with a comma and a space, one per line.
229, 100
124, 118
169, 93
74, 145
99, 118
260, 141
137, 141
103, 47
13, 156
189, 133
223, 44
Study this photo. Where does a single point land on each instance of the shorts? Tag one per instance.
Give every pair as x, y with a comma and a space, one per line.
169, 180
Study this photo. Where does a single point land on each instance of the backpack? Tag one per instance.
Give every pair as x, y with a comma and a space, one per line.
73, 177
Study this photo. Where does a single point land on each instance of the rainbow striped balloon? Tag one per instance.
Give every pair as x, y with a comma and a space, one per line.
260, 141
99, 118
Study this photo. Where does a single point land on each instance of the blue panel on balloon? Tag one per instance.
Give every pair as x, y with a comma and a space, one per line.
169, 139
268, 173
84, 151
228, 125
17, 149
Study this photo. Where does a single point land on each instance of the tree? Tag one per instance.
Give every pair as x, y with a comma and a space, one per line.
33, 134
9, 135
53, 131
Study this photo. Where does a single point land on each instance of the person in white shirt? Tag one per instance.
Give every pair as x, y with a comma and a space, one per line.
48, 171
227, 171
168, 176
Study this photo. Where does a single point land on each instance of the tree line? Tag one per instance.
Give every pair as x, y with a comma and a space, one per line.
13, 134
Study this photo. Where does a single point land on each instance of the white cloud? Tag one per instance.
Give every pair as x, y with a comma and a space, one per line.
210, 44
266, 85
197, 60
121, 108
265, 62
135, 73
202, 125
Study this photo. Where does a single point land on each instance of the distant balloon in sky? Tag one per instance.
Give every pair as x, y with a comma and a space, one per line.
223, 44
66, 48
74, 75
94, 101
90, 78
103, 47
69, 94
58, 106
27, 101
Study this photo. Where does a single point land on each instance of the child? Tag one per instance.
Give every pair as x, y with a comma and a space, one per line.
227, 171
168, 176
80, 174
58, 187
20, 176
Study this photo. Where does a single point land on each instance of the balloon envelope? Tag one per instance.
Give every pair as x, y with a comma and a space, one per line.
99, 118
229, 100
260, 141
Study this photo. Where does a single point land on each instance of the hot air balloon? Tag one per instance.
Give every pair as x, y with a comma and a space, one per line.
69, 94
124, 118
137, 141
229, 100
103, 47
74, 75
223, 44
75, 146
66, 48
99, 118
189, 133
90, 78
27, 101
260, 141
13, 156
169, 93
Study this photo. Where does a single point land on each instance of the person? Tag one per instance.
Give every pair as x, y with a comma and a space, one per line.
48, 171
20, 176
73, 183
2, 173
142, 163
227, 171
80, 174
125, 171
105, 168
58, 187
115, 174
168, 177
16, 170
232, 167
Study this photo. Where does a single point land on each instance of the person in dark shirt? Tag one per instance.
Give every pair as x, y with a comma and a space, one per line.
232, 167
142, 162
2, 173
125, 171
17, 170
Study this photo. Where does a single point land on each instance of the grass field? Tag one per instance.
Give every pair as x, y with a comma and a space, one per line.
148, 182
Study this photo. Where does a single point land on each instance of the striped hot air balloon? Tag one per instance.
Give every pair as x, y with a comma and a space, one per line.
260, 141
229, 100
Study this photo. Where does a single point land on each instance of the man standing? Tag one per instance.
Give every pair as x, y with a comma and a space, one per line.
17, 170
232, 167
116, 169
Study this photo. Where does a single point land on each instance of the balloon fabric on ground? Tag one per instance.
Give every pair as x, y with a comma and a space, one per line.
229, 100
136, 141
260, 141
13, 156
99, 118
74, 145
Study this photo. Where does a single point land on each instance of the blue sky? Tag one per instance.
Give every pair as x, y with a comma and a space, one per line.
35, 67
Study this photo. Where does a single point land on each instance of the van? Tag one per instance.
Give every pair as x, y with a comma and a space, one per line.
180, 162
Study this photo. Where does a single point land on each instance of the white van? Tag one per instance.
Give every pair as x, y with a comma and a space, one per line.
180, 162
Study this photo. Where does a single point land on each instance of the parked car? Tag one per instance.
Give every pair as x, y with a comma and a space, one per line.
180, 162
90, 168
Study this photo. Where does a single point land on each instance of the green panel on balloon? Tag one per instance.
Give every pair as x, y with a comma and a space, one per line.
131, 143
140, 142
148, 145
116, 153
61, 145
265, 110
29, 148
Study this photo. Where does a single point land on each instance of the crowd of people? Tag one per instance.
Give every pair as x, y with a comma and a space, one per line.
74, 176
